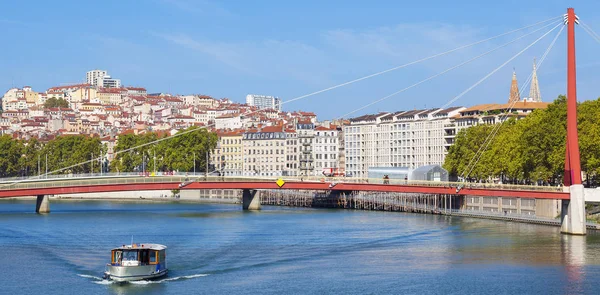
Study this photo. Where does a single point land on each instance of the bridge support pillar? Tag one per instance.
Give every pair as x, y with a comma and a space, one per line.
42, 205
572, 214
250, 201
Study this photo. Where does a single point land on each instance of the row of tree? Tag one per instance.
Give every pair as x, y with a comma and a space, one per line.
61, 155
84, 154
527, 150
186, 152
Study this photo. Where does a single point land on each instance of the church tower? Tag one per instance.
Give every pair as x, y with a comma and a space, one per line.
534, 90
514, 89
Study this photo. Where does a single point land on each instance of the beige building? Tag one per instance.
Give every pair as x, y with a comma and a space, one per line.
111, 96
83, 93
265, 152
228, 155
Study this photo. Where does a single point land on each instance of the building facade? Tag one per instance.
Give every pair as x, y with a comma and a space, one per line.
263, 101
265, 152
402, 139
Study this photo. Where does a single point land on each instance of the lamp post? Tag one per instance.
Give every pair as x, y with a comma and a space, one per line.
194, 163
154, 150
46, 166
39, 165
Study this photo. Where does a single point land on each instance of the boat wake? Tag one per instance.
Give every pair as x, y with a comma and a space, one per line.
97, 280
101, 281
146, 282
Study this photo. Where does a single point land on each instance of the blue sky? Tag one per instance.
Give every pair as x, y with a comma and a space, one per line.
291, 48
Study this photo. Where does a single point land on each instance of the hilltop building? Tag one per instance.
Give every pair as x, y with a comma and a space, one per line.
264, 101
100, 78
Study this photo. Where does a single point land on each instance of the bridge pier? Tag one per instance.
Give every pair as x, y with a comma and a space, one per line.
42, 205
250, 201
572, 214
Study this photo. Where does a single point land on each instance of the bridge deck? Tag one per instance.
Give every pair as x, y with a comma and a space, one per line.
116, 183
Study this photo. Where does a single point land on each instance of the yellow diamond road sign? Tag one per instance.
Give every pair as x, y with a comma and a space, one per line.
280, 182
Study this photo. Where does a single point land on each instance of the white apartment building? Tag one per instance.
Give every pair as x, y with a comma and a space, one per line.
228, 121
91, 77
264, 101
100, 78
403, 139
326, 148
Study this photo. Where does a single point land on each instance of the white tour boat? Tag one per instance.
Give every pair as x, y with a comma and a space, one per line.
137, 262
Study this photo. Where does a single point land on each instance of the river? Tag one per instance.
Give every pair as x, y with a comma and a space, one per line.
220, 249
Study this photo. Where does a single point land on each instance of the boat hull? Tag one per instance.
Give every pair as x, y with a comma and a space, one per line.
134, 273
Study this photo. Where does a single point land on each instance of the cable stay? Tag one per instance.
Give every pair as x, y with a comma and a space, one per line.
475, 160
589, 30
443, 72
420, 60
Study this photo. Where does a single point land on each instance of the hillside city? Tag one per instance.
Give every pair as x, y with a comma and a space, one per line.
255, 138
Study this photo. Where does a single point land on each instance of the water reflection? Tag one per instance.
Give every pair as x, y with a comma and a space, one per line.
574, 259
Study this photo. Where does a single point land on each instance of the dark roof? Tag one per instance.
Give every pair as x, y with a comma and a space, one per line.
448, 110
367, 117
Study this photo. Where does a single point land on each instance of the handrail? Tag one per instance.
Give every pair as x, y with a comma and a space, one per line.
128, 178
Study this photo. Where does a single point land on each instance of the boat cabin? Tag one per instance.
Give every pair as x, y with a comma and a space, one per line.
139, 254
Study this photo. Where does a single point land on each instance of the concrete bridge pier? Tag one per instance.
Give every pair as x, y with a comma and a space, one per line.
250, 200
572, 214
42, 206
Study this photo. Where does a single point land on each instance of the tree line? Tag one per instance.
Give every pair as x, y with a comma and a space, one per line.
180, 153
530, 150
64, 154
32, 157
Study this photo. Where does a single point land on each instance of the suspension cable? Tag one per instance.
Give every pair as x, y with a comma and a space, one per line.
498, 68
443, 72
589, 30
475, 160
420, 60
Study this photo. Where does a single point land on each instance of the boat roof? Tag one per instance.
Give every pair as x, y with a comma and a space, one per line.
138, 246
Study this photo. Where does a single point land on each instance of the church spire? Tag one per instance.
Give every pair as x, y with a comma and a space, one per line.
534, 90
514, 89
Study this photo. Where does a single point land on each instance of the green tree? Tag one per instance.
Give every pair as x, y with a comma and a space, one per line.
11, 151
176, 153
56, 103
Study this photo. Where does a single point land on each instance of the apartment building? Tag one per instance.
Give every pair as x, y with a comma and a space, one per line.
265, 152
402, 139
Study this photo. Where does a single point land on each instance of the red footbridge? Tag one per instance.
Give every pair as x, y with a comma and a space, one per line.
572, 194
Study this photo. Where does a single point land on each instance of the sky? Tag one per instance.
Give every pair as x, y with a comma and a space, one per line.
292, 48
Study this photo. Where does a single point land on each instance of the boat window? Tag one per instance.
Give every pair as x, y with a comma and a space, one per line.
130, 255
144, 256
162, 257
153, 257
116, 257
